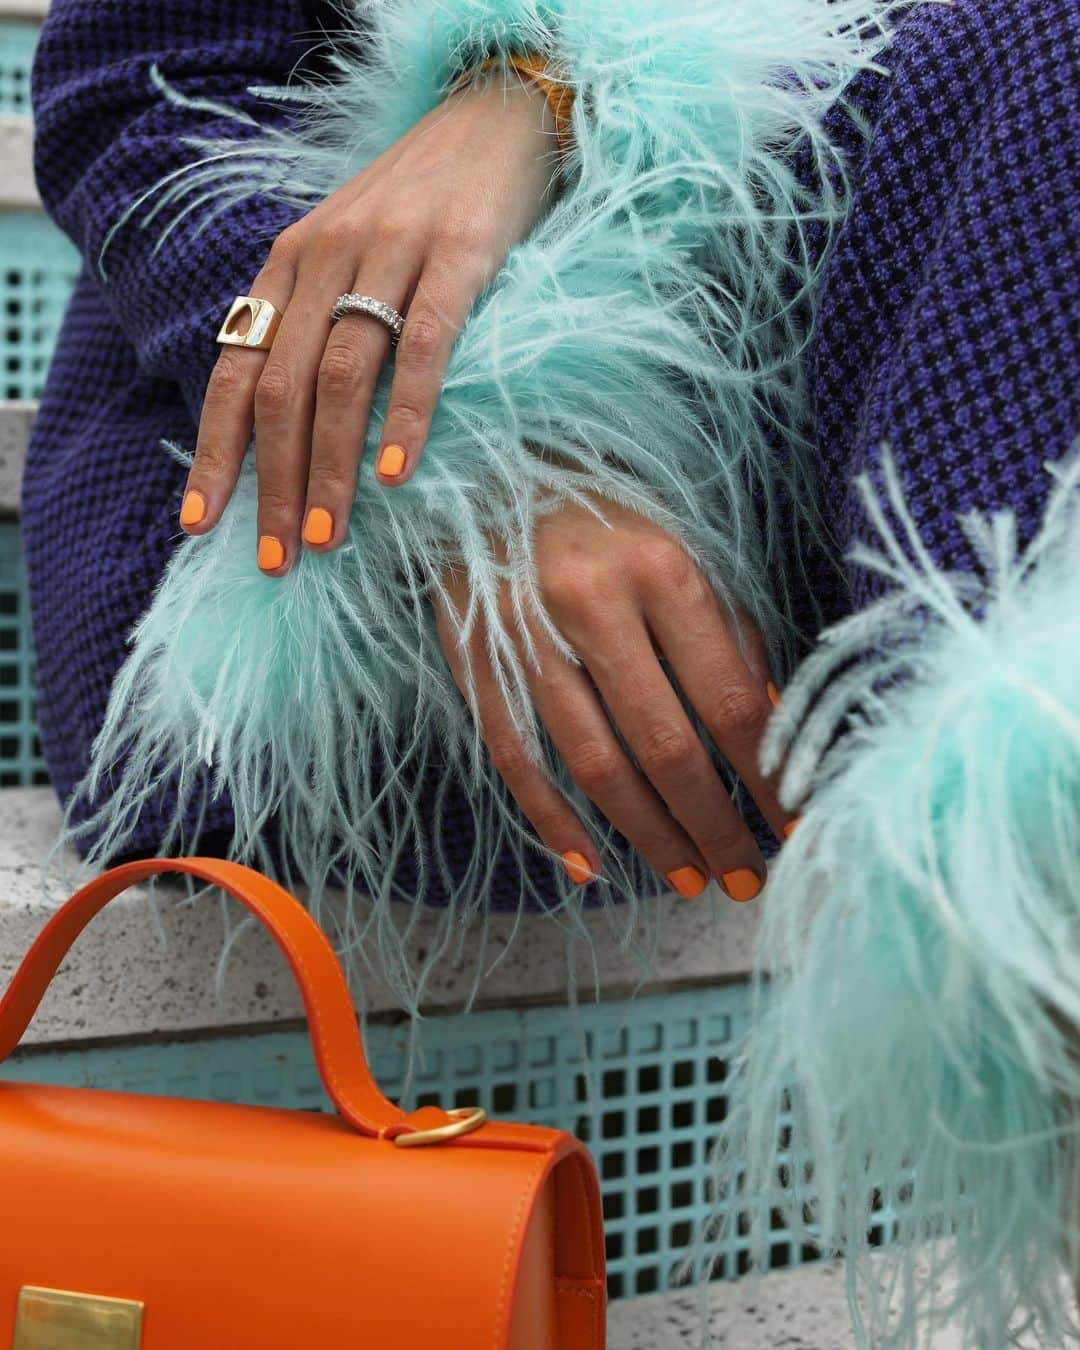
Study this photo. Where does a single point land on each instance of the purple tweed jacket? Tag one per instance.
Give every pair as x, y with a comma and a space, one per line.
946, 324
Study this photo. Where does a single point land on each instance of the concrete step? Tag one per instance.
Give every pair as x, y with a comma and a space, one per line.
17, 186
801, 1309
16, 419
123, 980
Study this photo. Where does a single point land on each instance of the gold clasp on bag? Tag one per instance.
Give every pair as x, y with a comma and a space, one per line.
54, 1319
465, 1120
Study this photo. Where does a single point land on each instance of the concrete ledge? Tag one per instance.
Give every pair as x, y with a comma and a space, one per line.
23, 9
16, 419
122, 980
803, 1309
17, 186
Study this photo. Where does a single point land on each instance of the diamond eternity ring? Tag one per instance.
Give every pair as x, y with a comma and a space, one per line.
376, 309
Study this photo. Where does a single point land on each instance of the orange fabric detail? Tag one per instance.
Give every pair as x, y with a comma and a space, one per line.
559, 94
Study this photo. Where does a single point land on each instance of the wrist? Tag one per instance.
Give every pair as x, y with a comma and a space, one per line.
534, 74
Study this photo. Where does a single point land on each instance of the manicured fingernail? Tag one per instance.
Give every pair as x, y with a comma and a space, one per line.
319, 526
741, 884
391, 460
578, 867
773, 693
193, 508
687, 881
271, 553
789, 828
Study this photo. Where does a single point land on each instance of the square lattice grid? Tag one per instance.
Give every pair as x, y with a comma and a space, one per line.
17, 42
643, 1081
21, 763
38, 267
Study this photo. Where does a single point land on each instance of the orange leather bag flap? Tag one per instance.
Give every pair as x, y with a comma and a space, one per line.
224, 1227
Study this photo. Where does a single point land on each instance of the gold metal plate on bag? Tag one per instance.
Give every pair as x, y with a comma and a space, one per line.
54, 1319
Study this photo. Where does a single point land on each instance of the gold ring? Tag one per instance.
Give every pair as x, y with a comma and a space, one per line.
263, 321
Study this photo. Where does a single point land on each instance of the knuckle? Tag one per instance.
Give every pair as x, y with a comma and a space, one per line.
665, 564
738, 710
289, 244
335, 237
549, 822
665, 748
274, 499
211, 460
508, 756
571, 588
229, 376
389, 229
593, 766
457, 234
328, 477
407, 412
341, 371
421, 338
723, 841
275, 391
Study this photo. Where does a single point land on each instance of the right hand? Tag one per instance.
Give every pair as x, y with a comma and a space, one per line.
624, 596
424, 228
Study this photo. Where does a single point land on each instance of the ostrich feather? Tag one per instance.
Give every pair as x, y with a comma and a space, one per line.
649, 332
913, 1061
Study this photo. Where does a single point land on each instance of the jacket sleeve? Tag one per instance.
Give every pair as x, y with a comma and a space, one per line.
643, 345
104, 132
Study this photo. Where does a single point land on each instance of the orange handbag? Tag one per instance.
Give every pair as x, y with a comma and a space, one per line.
148, 1223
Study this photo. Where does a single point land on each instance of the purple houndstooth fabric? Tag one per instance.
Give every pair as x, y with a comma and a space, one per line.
947, 322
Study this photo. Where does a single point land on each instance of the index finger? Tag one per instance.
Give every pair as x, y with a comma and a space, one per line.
228, 411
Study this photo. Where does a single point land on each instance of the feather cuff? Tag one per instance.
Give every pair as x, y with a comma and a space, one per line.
649, 332
913, 1070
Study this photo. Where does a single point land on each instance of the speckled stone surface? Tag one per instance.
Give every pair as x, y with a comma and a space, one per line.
123, 979
804, 1309
17, 187
801, 1310
16, 419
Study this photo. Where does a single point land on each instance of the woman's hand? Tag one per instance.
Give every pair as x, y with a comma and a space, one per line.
423, 228
624, 597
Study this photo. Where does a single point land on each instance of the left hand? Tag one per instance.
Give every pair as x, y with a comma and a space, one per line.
624, 596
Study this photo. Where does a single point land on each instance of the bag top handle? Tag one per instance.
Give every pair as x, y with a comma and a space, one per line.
335, 1035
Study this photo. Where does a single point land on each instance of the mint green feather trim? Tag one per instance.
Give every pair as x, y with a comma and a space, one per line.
649, 331
916, 1044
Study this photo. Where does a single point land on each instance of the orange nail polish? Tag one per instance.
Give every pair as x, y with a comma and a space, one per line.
193, 508
271, 553
773, 693
741, 884
789, 828
391, 460
319, 526
688, 881
578, 867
